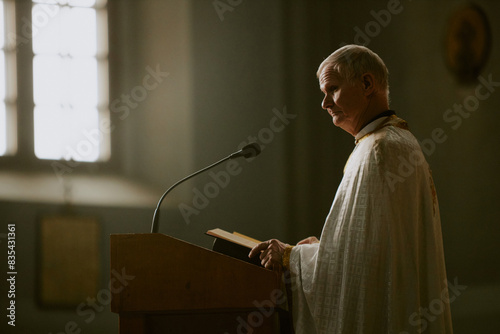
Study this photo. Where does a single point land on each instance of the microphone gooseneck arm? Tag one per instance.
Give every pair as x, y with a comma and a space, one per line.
156, 216
249, 151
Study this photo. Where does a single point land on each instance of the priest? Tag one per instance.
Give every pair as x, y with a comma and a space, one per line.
378, 266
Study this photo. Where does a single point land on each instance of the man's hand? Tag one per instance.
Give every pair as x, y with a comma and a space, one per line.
310, 240
271, 253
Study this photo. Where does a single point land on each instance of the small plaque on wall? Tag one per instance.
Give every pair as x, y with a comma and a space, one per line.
68, 260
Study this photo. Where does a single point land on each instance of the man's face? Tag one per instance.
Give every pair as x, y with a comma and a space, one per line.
345, 102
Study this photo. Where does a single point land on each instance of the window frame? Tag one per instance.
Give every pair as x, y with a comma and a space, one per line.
10, 101
24, 159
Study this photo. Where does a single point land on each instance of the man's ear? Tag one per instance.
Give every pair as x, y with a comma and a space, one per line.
368, 81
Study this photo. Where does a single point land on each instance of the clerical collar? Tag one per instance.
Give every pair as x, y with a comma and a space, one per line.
382, 114
373, 124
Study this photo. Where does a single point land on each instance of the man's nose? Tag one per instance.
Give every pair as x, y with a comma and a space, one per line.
327, 102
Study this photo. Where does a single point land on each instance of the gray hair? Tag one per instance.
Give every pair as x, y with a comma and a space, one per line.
350, 62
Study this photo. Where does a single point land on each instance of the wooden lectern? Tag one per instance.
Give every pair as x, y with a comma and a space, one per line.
172, 286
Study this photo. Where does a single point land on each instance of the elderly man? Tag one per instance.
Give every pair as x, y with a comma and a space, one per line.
379, 264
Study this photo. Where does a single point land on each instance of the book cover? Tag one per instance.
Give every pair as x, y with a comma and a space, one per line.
234, 244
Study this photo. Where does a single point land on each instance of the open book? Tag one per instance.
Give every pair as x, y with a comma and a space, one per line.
234, 244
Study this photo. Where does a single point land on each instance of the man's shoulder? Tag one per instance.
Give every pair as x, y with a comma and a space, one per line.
391, 140
387, 147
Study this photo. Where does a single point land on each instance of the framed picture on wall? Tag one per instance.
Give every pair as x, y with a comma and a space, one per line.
468, 43
69, 262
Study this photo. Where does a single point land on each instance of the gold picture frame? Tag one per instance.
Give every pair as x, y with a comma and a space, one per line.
468, 43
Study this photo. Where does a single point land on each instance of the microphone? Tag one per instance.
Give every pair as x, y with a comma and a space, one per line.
248, 151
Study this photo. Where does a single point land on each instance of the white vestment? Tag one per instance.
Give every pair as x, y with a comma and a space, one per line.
379, 266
